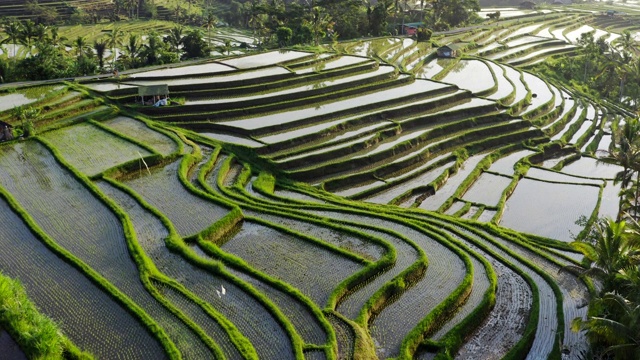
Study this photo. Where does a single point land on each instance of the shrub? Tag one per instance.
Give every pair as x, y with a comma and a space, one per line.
424, 34
284, 35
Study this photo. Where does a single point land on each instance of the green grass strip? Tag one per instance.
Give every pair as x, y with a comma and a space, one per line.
143, 263
175, 243
37, 335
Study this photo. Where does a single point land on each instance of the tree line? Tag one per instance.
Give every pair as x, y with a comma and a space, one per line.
601, 69
47, 55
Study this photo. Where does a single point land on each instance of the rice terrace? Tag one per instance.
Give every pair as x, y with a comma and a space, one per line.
425, 191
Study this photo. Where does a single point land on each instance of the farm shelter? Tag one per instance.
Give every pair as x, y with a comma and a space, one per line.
411, 29
153, 91
5, 131
449, 51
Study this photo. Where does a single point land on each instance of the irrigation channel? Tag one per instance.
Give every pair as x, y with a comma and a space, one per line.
369, 202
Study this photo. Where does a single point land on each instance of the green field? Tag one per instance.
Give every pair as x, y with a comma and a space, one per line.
367, 201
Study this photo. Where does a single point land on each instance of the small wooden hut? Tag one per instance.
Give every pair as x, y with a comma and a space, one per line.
154, 92
449, 51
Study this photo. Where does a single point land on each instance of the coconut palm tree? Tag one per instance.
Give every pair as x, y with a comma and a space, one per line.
226, 47
210, 21
40, 32
132, 51
626, 43
320, 21
81, 46
152, 49
609, 248
55, 38
14, 31
618, 330
26, 35
114, 40
100, 47
625, 152
175, 38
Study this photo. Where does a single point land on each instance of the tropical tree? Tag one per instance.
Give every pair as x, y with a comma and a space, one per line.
210, 21
626, 43
617, 330
26, 35
40, 32
284, 35
152, 50
174, 39
226, 47
609, 248
14, 32
194, 46
132, 50
114, 40
453, 13
625, 152
320, 22
81, 46
55, 38
100, 47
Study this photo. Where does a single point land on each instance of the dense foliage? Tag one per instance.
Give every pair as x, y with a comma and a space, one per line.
612, 258
600, 69
49, 56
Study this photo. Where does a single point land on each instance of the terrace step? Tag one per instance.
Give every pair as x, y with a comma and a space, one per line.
405, 93
338, 131
282, 99
455, 109
413, 148
226, 118
474, 142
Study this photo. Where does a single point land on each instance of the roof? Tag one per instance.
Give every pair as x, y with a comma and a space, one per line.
454, 46
153, 90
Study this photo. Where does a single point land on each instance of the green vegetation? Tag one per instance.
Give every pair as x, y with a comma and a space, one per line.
37, 334
361, 199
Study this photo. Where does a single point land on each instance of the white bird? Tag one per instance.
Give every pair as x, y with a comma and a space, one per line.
224, 291
218, 292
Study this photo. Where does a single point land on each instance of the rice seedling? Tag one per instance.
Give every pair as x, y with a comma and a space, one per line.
84, 145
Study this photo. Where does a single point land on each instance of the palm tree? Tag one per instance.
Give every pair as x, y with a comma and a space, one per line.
319, 23
114, 39
175, 39
619, 329
625, 153
100, 47
81, 46
178, 11
56, 39
132, 50
255, 20
26, 35
152, 48
210, 21
226, 47
14, 31
40, 32
609, 248
626, 42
